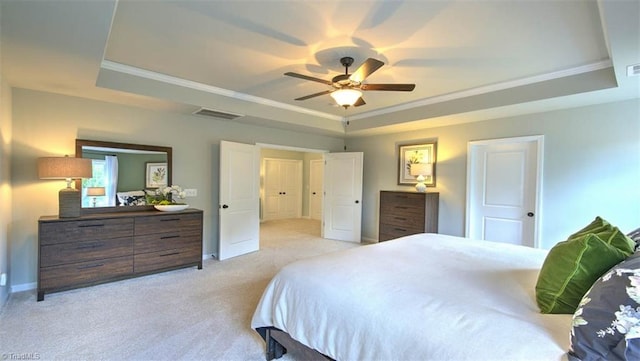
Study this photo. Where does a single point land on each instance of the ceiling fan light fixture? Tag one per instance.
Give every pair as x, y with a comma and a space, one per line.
346, 97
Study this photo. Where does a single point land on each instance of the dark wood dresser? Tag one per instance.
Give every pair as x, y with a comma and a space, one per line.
405, 213
97, 248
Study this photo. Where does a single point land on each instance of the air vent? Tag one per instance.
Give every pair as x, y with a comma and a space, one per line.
633, 70
216, 114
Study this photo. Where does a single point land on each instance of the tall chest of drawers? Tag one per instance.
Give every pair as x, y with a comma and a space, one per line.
406, 213
78, 252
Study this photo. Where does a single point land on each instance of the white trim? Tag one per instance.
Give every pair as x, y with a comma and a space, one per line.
293, 149
539, 139
487, 89
168, 79
24, 287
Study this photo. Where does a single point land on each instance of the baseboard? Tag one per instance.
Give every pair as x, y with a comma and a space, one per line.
24, 287
369, 240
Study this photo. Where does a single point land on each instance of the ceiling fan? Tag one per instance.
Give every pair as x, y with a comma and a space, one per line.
347, 87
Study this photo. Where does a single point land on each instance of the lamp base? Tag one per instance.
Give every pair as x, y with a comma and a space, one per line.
421, 187
69, 203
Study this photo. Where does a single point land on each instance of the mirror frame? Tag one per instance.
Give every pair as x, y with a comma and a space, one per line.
98, 143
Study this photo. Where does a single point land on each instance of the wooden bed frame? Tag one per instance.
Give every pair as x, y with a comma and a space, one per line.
278, 342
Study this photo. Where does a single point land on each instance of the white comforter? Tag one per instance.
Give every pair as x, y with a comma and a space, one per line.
421, 297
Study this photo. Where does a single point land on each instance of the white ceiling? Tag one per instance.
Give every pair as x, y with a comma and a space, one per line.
469, 60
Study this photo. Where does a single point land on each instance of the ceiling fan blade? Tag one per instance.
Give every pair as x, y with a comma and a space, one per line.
389, 87
367, 68
306, 77
314, 95
359, 102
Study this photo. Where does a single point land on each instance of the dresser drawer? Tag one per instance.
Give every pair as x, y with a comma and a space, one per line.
168, 240
152, 261
73, 275
175, 221
405, 201
64, 253
404, 220
398, 231
85, 230
407, 213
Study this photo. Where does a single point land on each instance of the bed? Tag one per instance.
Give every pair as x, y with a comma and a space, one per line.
420, 297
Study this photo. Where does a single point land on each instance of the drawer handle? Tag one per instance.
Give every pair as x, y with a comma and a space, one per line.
90, 266
169, 254
90, 225
402, 207
95, 245
169, 219
168, 237
400, 229
400, 218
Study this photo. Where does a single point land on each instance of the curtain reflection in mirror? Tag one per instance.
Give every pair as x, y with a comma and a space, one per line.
111, 179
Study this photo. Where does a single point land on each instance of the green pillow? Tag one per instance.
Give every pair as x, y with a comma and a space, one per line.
572, 266
598, 225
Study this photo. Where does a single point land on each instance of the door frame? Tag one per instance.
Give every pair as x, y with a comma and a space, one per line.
292, 149
471, 148
321, 162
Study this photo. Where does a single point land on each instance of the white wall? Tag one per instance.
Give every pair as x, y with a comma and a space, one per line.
5, 184
46, 124
591, 167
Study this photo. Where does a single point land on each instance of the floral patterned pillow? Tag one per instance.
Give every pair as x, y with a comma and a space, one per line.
606, 325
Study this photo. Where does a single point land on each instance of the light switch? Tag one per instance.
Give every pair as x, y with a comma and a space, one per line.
191, 192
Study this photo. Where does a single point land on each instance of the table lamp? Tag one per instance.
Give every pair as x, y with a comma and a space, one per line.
67, 168
421, 170
95, 192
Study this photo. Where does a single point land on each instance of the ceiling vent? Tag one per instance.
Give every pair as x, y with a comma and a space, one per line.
633, 70
216, 114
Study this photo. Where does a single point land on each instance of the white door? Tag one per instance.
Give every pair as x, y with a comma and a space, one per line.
343, 196
271, 189
291, 182
503, 190
282, 189
316, 170
239, 199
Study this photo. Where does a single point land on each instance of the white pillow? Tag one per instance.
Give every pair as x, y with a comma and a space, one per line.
131, 198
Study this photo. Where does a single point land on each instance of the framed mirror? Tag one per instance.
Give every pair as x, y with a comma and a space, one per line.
122, 174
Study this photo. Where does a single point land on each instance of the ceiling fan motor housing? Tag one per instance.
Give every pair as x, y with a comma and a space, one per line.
347, 61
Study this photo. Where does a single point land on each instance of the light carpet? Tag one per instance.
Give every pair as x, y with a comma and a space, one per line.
185, 314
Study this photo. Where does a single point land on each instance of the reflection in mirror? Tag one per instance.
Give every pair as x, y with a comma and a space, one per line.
123, 172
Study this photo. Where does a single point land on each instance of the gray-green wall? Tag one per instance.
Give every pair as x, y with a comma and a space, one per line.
591, 167
131, 167
5, 185
46, 124
591, 162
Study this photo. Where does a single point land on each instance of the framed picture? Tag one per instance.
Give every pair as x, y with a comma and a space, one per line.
156, 175
408, 154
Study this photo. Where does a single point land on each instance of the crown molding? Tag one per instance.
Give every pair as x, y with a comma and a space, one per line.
168, 79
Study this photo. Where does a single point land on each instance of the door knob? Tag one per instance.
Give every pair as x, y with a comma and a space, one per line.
357, 201
225, 206
530, 214
314, 193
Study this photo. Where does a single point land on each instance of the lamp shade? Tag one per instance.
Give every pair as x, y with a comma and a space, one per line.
346, 97
423, 169
64, 168
95, 191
